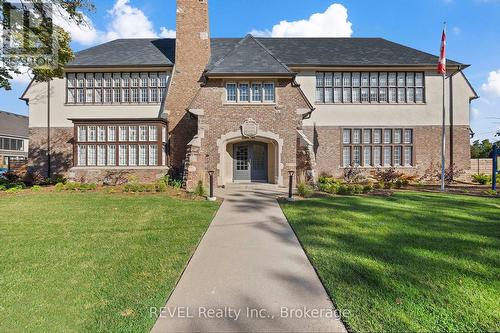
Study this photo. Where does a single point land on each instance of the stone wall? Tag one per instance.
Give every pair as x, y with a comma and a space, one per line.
61, 151
327, 142
116, 175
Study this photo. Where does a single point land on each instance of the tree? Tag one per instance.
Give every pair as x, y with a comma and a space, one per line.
41, 37
481, 149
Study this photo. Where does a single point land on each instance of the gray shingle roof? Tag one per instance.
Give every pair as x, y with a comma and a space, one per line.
249, 57
127, 52
13, 124
289, 51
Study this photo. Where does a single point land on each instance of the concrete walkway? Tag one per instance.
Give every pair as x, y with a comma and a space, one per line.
249, 274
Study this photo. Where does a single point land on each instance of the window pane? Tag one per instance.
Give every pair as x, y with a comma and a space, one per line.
71, 96
347, 136
365, 78
126, 95
143, 133
337, 95
269, 92
132, 155
123, 133
393, 95
377, 136
163, 80
244, 93
382, 79
101, 133
328, 95
387, 136
320, 79
373, 79
132, 133
153, 154
367, 136
392, 79
356, 95
153, 80
367, 156
92, 133
135, 95
373, 95
116, 80
357, 155
144, 95
401, 79
111, 155
98, 80
346, 155
107, 80
82, 133
383, 95
320, 98
397, 156
401, 95
377, 153
80, 96
337, 79
346, 78
143, 155
82, 155
387, 156
98, 96
89, 80
408, 151
125, 80
89, 96
419, 79
410, 79
356, 136
112, 133
107, 95
328, 79
256, 92
135, 80
153, 136
397, 136
365, 97
346, 96
71, 79
231, 92
122, 152
101, 155
356, 79
153, 95
408, 136
419, 95
91, 155
80, 80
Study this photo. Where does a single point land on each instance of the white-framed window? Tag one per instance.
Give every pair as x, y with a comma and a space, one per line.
397, 136
126, 96
123, 133
153, 154
346, 156
367, 136
82, 133
346, 137
143, 133
356, 136
132, 133
71, 96
376, 87
231, 93
91, 155
377, 156
111, 155
92, 135
111, 133
143, 155
387, 136
98, 96
82, 155
89, 96
101, 155
269, 93
377, 136
132, 155
107, 96
256, 92
387, 156
408, 156
244, 93
153, 133
101, 133
122, 155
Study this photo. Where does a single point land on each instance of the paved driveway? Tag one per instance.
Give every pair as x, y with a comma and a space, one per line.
249, 273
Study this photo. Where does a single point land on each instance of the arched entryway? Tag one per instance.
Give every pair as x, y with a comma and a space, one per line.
256, 160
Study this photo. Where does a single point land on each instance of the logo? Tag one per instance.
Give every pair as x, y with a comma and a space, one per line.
249, 128
28, 36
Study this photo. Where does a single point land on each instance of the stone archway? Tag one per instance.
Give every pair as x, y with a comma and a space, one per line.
275, 148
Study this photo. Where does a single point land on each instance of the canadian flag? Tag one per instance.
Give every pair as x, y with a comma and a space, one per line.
442, 56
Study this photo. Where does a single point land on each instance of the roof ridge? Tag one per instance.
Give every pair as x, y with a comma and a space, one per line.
13, 114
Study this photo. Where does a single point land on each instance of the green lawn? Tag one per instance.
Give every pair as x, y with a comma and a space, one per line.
92, 262
412, 262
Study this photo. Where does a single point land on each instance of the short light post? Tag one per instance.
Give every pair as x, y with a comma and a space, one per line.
290, 185
211, 190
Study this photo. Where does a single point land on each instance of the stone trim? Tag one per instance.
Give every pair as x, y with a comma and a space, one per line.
236, 136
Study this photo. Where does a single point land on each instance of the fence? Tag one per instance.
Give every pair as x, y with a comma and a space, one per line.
481, 165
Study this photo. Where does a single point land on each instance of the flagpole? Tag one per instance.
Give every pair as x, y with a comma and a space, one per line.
443, 131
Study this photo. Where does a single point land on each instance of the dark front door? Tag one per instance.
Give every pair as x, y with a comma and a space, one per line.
250, 162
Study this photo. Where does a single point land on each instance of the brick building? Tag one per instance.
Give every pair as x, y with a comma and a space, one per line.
249, 109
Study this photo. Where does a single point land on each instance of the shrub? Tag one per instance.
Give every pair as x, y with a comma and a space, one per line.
88, 187
57, 179
3, 188
386, 176
14, 189
176, 183
304, 190
59, 187
490, 192
481, 178
346, 189
368, 188
353, 175
36, 188
357, 188
161, 186
200, 189
72, 186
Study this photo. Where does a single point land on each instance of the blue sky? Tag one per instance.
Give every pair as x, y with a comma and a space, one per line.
473, 33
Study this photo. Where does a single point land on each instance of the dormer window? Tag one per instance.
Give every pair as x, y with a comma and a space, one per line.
252, 93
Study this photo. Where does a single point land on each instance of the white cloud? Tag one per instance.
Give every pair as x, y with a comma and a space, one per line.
493, 84
333, 22
125, 21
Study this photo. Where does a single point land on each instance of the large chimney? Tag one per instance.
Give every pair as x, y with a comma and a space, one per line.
192, 54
